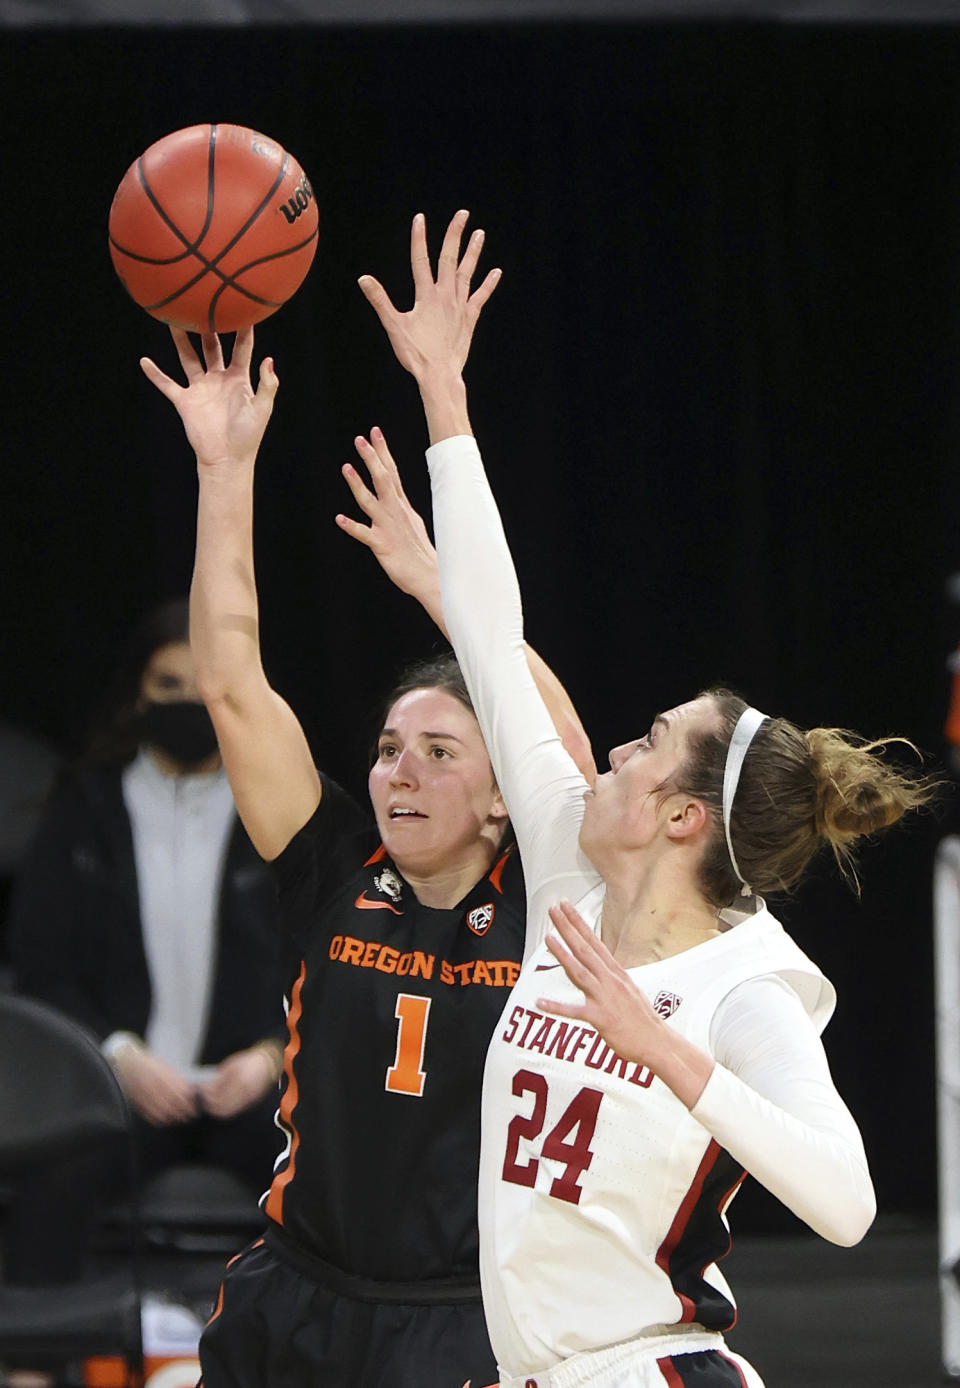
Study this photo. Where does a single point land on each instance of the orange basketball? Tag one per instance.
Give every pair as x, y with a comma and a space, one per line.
213, 228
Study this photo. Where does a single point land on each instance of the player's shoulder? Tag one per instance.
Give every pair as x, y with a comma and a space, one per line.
333, 844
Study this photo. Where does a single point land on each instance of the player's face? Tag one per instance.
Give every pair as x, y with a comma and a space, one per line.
432, 785
628, 807
169, 675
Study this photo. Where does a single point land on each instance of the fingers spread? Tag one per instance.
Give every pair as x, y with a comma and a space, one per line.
212, 351
480, 295
450, 250
356, 530
378, 298
385, 457
419, 255
242, 352
185, 351
269, 382
159, 378
362, 494
563, 1009
371, 460
469, 262
573, 929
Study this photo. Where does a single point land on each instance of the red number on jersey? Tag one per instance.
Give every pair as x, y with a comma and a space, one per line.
525, 1082
580, 1114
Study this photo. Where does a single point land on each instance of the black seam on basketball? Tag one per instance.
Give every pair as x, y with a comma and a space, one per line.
149, 259
212, 265
229, 280
181, 289
194, 247
215, 299
211, 161
172, 260
191, 247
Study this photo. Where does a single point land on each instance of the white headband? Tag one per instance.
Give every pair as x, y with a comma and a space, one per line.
743, 734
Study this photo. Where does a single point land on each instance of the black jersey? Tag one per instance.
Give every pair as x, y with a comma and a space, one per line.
390, 1010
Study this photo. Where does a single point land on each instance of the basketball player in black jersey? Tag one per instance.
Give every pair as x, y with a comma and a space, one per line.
404, 934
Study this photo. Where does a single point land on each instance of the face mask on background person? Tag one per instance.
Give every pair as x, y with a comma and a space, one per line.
183, 729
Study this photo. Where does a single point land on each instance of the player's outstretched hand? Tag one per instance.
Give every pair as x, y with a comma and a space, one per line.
613, 1003
620, 1011
396, 535
435, 334
224, 417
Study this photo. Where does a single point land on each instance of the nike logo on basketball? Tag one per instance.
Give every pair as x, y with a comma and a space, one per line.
362, 903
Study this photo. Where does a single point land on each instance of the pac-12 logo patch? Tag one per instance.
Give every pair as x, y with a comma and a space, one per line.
480, 918
666, 1004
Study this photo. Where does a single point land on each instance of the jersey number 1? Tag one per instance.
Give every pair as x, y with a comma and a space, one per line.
406, 1075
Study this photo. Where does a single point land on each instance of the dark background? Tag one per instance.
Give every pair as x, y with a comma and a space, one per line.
715, 392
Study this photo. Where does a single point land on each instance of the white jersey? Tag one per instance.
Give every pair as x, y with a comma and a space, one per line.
597, 1176
602, 1197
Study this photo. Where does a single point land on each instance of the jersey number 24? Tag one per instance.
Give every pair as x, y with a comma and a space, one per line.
568, 1141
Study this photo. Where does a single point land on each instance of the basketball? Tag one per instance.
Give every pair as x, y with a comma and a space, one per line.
213, 228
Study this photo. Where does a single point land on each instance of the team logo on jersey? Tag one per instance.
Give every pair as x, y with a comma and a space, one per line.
480, 918
389, 883
666, 1004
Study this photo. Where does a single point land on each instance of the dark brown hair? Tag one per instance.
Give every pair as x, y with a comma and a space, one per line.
433, 672
798, 792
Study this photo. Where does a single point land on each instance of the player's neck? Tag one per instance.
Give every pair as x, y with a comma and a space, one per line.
653, 920
442, 887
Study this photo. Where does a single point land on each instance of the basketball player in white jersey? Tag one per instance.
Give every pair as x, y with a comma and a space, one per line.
664, 1038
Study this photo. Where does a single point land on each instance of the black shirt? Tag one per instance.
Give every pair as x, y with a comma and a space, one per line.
391, 1007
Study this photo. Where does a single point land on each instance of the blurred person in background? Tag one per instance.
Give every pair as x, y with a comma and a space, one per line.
142, 911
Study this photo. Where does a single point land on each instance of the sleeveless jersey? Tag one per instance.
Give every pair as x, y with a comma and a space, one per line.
605, 1197
390, 1008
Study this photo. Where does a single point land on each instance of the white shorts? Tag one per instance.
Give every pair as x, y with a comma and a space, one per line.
695, 1359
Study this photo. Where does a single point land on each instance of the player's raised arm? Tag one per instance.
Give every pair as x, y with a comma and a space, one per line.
398, 538
268, 760
542, 786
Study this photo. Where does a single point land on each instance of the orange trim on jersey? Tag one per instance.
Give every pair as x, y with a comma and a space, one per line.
377, 856
274, 1201
665, 1251
215, 1312
219, 1306
256, 1244
362, 904
497, 871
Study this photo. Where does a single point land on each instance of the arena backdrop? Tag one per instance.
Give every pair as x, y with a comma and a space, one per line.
716, 391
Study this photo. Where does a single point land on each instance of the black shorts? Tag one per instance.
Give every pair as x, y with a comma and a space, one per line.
283, 1320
